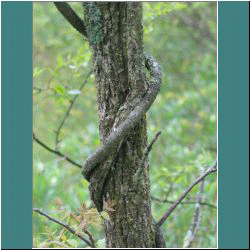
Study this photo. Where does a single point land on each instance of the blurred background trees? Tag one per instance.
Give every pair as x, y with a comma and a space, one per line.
182, 37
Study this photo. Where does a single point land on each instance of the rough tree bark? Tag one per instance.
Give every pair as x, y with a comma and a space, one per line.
120, 182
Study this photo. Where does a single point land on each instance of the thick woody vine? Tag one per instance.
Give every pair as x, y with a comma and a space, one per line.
127, 117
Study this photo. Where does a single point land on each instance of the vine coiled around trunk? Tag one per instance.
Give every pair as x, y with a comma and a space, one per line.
113, 140
124, 123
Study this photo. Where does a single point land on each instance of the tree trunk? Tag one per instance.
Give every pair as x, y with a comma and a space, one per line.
120, 184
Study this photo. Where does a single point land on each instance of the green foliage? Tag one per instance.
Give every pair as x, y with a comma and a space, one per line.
182, 36
183, 39
152, 11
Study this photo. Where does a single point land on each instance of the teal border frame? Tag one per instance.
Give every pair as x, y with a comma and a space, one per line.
16, 144
233, 125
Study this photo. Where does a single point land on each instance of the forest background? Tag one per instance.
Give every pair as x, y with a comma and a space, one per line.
183, 38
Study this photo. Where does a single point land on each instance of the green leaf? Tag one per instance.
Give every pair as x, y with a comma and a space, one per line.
59, 89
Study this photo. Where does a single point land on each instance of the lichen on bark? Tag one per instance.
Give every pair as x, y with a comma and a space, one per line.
93, 22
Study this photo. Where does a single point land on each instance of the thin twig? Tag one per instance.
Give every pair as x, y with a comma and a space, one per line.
71, 17
183, 202
149, 147
56, 152
141, 167
39, 90
69, 228
197, 218
69, 109
183, 195
90, 237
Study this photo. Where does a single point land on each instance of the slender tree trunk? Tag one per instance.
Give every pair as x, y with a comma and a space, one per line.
115, 34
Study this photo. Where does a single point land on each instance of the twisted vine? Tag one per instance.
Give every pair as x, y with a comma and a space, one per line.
125, 121
113, 140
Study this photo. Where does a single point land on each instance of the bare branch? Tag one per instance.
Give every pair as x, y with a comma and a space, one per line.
183, 202
197, 217
183, 195
38, 90
69, 228
149, 147
56, 152
71, 17
69, 109
141, 168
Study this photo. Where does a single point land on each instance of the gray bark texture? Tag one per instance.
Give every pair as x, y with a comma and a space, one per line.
124, 94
